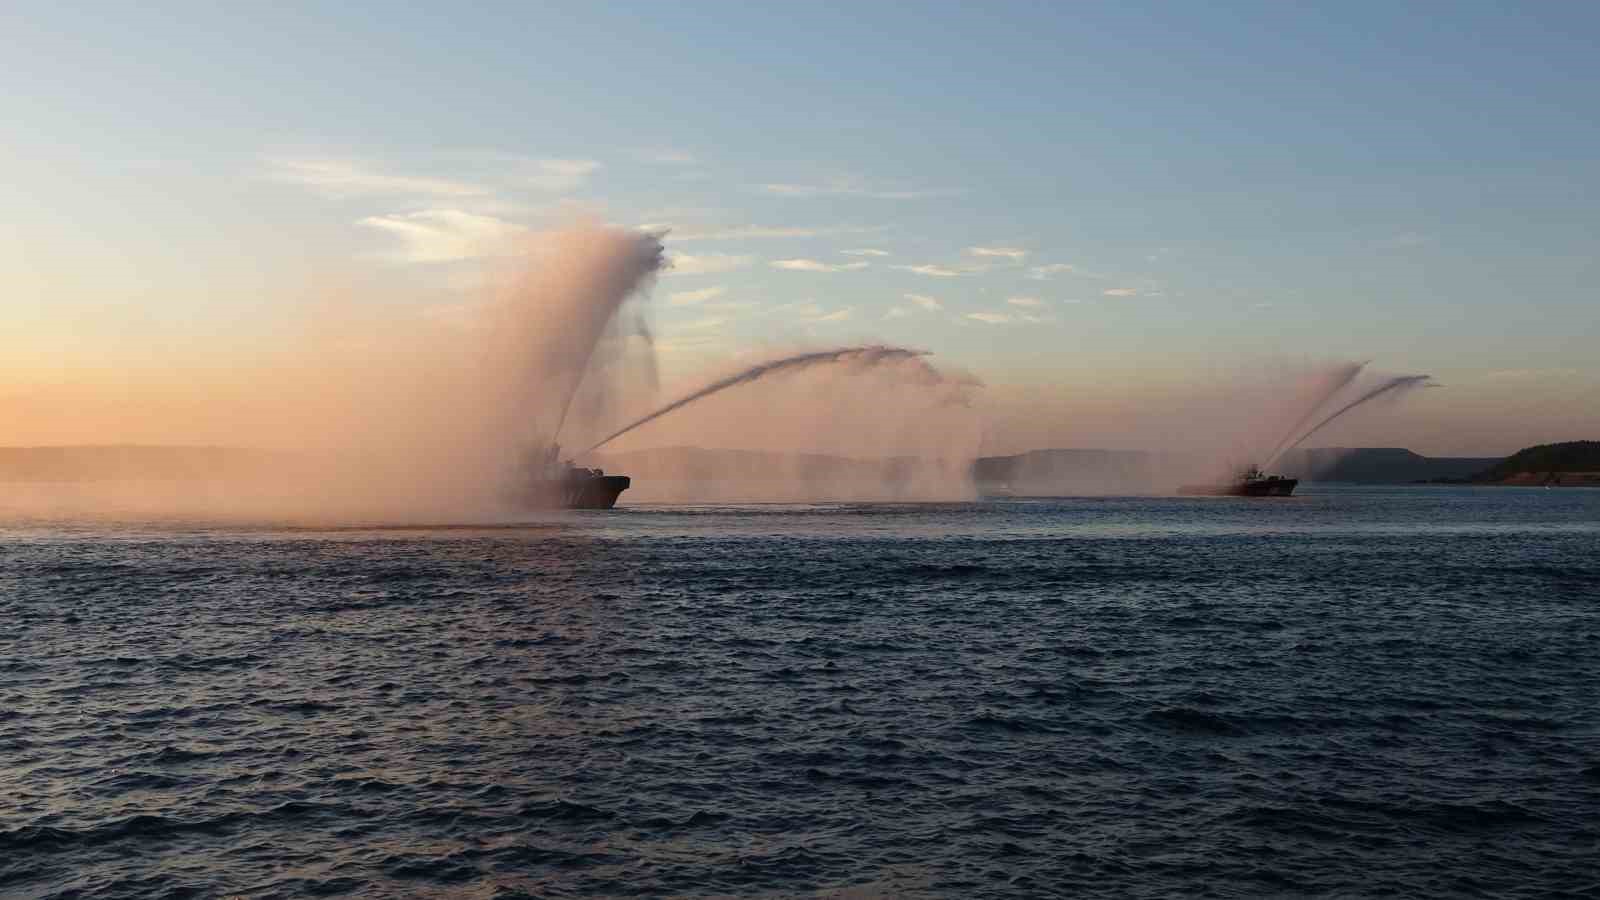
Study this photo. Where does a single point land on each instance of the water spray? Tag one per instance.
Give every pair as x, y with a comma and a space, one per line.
651, 245
869, 355
1347, 373
1404, 381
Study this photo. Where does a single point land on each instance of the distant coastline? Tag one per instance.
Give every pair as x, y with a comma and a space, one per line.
1567, 464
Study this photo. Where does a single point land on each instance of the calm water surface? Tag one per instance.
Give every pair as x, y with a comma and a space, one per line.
1355, 692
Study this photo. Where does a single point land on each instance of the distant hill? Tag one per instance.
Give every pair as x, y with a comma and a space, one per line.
1378, 465
694, 472
1046, 472
1570, 462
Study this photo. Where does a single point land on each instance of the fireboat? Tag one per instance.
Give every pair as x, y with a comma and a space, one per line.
558, 484
1251, 482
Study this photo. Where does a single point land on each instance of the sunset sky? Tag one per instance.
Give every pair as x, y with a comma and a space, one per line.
1061, 198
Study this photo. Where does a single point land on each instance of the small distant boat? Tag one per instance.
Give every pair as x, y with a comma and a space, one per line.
566, 486
1251, 482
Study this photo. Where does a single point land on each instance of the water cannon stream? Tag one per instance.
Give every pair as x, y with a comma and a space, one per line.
1399, 383
870, 355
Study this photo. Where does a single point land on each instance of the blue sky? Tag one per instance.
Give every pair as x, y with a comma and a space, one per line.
1035, 192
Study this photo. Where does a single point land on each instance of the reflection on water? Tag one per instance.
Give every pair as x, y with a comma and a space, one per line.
1349, 691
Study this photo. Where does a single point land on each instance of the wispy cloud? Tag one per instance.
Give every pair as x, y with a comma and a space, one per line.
896, 312
1012, 253
1024, 301
705, 324
690, 298
997, 318
865, 251
559, 174
935, 271
804, 308
444, 235
813, 265
837, 315
924, 301
682, 233
706, 263
338, 177
847, 188
1120, 292
732, 305
343, 177
1042, 273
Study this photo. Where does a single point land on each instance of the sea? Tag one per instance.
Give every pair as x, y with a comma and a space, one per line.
1354, 692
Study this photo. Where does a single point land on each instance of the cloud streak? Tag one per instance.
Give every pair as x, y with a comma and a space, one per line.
1045, 272
691, 298
706, 324
706, 263
445, 235
934, 271
343, 178
1016, 254
813, 265
559, 174
846, 188
680, 234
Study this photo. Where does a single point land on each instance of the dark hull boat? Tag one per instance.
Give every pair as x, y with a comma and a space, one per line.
571, 487
1249, 483
575, 492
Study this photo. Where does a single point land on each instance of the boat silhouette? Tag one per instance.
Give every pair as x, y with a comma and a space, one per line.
1248, 482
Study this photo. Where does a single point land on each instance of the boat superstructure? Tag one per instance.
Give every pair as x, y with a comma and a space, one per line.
1248, 482
558, 484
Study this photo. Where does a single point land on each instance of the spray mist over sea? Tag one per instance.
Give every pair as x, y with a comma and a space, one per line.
362, 411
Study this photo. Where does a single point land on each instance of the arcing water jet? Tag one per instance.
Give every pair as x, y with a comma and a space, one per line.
1399, 383
871, 355
1341, 378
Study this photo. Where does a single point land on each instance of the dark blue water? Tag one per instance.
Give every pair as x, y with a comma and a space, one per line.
1352, 693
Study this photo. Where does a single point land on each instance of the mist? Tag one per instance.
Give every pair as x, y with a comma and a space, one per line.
369, 410
852, 423
350, 408
1202, 430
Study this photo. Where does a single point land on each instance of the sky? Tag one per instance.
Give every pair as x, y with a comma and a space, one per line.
1063, 199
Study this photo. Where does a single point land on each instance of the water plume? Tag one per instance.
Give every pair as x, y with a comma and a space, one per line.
866, 356
1398, 383
1337, 380
377, 408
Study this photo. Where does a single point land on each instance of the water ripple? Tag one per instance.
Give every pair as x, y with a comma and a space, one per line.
1356, 693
